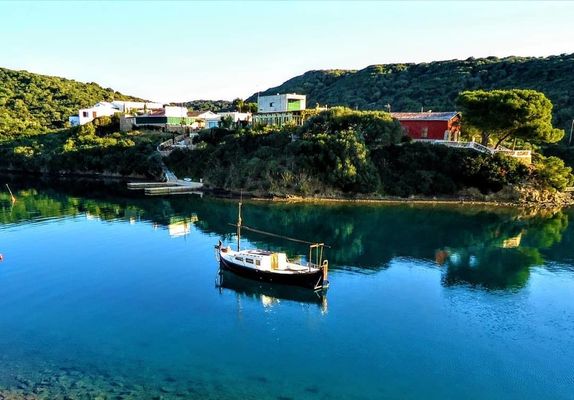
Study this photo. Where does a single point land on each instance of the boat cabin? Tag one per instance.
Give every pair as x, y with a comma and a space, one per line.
263, 260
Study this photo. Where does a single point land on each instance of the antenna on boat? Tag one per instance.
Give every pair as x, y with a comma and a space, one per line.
239, 222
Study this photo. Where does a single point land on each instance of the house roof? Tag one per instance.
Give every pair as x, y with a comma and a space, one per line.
424, 116
201, 114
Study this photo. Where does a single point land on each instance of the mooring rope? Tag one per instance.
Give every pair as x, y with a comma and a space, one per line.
278, 236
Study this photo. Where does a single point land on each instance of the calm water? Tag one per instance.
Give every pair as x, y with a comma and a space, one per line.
116, 297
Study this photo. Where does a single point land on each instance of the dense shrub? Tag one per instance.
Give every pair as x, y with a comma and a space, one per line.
331, 153
90, 148
429, 170
32, 103
552, 172
435, 85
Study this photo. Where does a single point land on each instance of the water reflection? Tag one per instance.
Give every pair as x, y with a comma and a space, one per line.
269, 295
490, 248
503, 260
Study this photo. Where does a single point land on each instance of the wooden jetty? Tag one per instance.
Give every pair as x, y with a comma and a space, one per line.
172, 185
180, 189
167, 188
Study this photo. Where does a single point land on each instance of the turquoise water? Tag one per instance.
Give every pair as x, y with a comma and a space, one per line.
117, 297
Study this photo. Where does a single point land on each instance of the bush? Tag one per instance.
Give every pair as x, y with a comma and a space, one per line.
83, 150
551, 172
340, 151
427, 169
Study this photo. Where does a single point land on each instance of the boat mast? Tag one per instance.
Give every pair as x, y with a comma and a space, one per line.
239, 226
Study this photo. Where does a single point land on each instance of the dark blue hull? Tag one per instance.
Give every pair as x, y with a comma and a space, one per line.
256, 289
312, 280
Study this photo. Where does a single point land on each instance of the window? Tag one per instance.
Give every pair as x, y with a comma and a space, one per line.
239, 258
425, 132
249, 261
85, 114
271, 104
257, 262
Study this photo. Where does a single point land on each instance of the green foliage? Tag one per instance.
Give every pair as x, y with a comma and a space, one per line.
93, 148
209, 105
341, 158
32, 103
435, 85
238, 104
345, 151
505, 114
563, 152
375, 128
212, 136
226, 122
552, 172
419, 168
332, 150
474, 237
244, 106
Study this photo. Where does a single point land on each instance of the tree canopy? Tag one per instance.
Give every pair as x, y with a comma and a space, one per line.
346, 151
94, 148
209, 105
435, 85
33, 103
503, 114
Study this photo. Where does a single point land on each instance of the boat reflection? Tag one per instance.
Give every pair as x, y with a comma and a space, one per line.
269, 294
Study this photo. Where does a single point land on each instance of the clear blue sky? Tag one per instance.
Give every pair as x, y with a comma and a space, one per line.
175, 51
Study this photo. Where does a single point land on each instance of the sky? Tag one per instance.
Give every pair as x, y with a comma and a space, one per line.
184, 50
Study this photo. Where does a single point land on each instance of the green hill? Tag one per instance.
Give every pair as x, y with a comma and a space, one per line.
435, 85
208, 105
31, 103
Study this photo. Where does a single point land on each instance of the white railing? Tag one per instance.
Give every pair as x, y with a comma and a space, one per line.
480, 148
460, 145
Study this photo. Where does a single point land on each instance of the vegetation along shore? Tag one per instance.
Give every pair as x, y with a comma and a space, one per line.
359, 154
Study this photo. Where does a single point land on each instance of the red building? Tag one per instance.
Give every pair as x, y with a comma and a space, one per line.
430, 125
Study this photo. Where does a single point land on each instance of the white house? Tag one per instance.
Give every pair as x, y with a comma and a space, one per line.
104, 108
173, 111
167, 116
280, 109
281, 103
211, 119
85, 115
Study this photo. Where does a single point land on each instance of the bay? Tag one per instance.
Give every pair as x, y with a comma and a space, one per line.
119, 296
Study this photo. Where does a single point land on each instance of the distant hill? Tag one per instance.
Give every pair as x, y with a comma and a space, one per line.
32, 103
208, 105
435, 85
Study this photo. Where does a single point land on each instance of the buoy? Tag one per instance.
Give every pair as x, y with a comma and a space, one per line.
1, 257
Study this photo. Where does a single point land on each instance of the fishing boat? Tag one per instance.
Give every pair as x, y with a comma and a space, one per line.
274, 267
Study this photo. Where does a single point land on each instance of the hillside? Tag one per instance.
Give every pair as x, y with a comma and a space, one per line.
208, 105
31, 103
341, 152
435, 85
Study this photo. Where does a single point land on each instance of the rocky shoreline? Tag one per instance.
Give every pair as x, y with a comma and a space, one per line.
525, 196
512, 197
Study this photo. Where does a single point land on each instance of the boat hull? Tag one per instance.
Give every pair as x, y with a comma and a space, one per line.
312, 280
257, 289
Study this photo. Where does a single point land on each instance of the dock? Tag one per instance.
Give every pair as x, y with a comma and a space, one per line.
172, 185
167, 188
